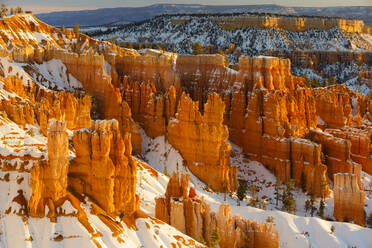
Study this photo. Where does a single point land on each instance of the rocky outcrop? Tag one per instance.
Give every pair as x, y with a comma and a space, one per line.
104, 168
314, 59
49, 177
150, 109
151, 66
289, 23
202, 141
182, 209
360, 145
25, 104
333, 106
337, 154
349, 199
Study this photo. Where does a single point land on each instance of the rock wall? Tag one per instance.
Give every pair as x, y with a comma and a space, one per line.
182, 209
202, 141
32, 102
151, 66
104, 168
349, 199
360, 145
150, 109
337, 154
49, 177
313, 59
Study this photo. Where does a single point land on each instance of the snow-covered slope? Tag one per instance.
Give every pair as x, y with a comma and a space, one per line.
22, 148
298, 230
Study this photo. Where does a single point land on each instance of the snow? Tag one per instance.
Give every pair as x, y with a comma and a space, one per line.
298, 230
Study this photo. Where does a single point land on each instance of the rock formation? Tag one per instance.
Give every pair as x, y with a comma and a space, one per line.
349, 199
49, 177
202, 141
104, 169
290, 23
182, 209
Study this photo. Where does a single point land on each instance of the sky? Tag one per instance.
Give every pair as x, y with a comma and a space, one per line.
40, 6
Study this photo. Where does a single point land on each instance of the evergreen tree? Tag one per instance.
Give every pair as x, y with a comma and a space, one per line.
277, 191
165, 170
331, 81
312, 204
369, 220
254, 198
197, 48
314, 83
307, 205
130, 45
63, 29
241, 191
321, 209
289, 203
215, 239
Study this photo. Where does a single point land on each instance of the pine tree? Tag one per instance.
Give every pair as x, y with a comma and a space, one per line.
312, 204
198, 49
289, 203
321, 209
63, 29
254, 199
369, 220
130, 45
241, 191
277, 190
331, 81
307, 205
165, 170
314, 83
215, 239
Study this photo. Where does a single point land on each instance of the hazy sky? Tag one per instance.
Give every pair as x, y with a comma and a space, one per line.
54, 5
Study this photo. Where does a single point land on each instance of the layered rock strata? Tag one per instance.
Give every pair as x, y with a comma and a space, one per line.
49, 177
202, 141
349, 199
104, 168
293, 24
182, 209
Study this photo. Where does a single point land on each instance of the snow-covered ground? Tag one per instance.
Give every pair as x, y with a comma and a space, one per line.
298, 230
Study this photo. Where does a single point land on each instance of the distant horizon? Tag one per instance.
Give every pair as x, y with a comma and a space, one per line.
38, 7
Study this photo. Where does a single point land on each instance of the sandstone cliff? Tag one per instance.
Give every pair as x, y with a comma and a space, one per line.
202, 141
49, 178
290, 23
349, 199
182, 209
104, 169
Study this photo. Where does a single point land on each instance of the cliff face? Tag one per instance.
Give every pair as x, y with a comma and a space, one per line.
49, 178
151, 66
202, 141
182, 209
294, 24
349, 199
27, 104
104, 169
